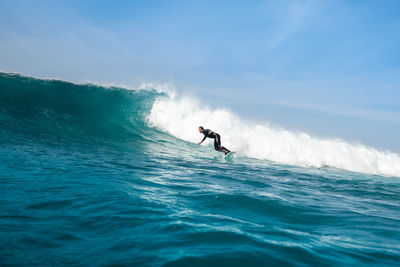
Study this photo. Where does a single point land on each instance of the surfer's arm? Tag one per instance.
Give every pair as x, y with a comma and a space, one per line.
204, 138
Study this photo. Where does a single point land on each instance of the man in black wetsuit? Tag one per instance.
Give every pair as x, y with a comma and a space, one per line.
217, 140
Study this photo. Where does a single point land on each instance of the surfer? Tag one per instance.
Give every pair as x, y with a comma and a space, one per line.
217, 140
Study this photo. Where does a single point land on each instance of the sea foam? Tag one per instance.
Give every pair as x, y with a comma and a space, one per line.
180, 116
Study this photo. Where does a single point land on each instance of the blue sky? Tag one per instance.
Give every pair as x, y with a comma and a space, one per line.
330, 68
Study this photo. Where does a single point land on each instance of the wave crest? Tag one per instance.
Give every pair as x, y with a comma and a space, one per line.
180, 117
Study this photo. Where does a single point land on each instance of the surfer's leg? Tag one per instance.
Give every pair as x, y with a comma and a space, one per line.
218, 139
225, 150
222, 148
217, 142
217, 145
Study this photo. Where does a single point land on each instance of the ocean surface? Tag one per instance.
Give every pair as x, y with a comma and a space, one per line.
105, 176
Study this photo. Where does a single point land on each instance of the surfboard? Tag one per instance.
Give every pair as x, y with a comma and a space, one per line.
230, 155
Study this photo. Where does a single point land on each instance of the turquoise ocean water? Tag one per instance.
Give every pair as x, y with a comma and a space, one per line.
86, 179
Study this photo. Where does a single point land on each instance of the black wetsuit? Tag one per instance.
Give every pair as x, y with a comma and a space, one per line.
217, 140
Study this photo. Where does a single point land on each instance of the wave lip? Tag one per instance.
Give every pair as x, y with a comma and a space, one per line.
180, 116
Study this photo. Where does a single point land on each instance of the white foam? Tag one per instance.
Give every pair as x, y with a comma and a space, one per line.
181, 116
166, 88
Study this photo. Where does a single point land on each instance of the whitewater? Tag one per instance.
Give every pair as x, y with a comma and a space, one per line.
107, 176
180, 116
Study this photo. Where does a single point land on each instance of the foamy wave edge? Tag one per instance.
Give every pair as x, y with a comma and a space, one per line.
180, 116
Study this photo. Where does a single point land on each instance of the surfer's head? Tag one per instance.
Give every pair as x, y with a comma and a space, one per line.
201, 129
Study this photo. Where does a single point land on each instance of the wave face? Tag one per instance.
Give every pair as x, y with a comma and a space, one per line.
94, 175
67, 110
181, 117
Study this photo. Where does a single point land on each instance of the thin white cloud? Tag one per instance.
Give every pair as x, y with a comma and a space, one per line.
297, 13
